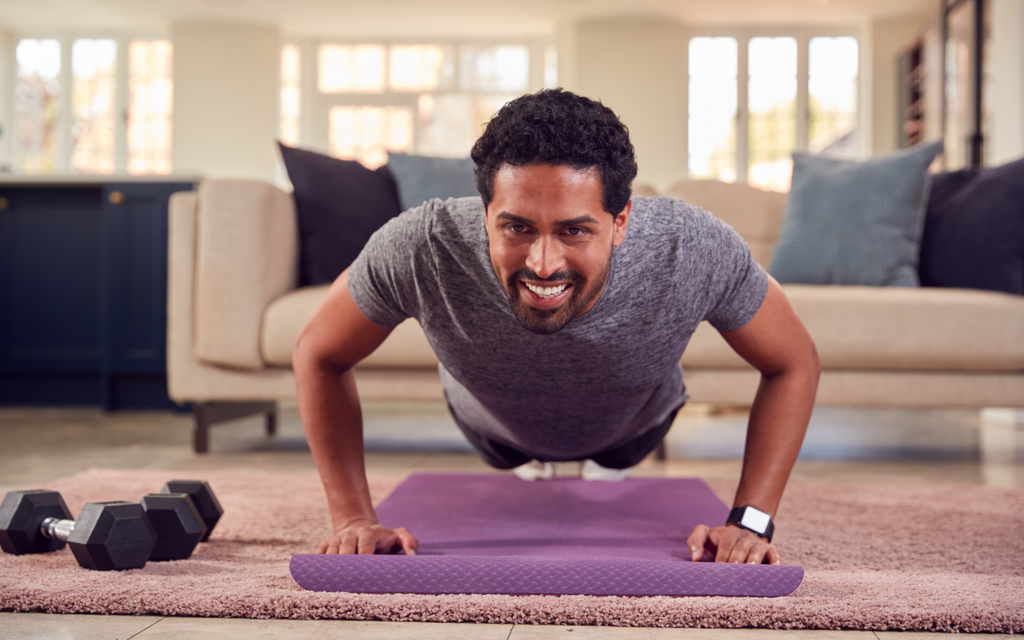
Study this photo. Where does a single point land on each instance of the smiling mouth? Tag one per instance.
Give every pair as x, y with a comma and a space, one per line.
546, 293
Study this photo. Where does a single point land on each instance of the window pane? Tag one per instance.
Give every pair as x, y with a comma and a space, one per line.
832, 89
499, 68
351, 68
290, 96
550, 67
36, 106
366, 134
450, 123
712, 126
150, 96
959, 80
420, 67
93, 98
771, 99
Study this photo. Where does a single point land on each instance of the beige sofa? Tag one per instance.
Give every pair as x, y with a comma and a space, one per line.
234, 315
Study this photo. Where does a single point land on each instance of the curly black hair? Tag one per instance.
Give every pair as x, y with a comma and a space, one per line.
560, 128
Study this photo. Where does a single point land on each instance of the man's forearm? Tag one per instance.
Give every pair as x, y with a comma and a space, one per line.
332, 419
778, 422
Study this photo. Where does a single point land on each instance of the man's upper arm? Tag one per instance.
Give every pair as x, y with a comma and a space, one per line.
775, 339
339, 334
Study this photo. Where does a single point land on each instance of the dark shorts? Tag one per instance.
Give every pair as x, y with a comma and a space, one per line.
502, 456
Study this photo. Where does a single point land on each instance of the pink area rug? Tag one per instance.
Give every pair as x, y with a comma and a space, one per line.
940, 559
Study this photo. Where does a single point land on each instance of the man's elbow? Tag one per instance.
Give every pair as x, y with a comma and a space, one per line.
814, 362
309, 355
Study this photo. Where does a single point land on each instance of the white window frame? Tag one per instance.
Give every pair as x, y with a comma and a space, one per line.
314, 106
64, 141
803, 35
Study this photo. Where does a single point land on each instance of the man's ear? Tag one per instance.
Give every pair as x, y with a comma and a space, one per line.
621, 224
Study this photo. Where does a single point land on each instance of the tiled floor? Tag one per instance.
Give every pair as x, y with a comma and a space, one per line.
859, 446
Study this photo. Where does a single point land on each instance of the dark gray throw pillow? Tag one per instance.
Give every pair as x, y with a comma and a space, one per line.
420, 178
855, 223
339, 204
974, 230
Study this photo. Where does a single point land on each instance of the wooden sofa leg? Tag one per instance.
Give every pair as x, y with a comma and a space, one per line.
661, 452
272, 422
200, 431
207, 414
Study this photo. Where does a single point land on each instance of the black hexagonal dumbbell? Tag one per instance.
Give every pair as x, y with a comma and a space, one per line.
178, 524
106, 536
203, 497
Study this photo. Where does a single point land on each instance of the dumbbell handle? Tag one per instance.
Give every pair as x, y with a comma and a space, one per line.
57, 529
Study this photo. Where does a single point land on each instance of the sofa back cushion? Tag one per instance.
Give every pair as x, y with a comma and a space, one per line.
420, 178
754, 214
974, 230
855, 223
340, 203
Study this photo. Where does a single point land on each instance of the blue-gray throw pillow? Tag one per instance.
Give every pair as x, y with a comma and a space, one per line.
339, 204
974, 230
855, 223
420, 178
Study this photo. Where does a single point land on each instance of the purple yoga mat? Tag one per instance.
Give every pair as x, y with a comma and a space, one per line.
490, 533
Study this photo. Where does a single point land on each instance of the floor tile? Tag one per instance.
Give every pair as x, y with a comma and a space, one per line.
244, 629
47, 626
528, 632
925, 635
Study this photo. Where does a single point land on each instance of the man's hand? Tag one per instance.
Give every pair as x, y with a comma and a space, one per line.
731, 544
367, 537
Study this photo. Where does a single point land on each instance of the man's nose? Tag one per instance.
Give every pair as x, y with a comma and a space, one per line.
545, 256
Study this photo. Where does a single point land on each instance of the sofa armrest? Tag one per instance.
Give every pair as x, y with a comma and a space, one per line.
246, 256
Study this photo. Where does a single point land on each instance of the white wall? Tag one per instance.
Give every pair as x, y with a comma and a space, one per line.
225, 99
635, 66
1007, 69
889, 40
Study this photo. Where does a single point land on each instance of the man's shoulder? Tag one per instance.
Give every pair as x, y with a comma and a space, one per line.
436, 220
661, 215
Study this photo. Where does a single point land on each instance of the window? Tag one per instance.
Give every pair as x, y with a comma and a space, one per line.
93, 105
746, 97
832, 85
150, 98
66, 119
417, 97
712, 128
291, 72
37, 106
771, 103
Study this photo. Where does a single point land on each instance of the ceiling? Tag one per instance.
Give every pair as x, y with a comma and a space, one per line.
439, 18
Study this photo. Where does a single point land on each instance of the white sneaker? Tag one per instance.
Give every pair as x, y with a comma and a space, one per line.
535, 470
593, 471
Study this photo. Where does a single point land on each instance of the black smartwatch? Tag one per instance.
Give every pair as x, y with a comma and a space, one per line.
751, 519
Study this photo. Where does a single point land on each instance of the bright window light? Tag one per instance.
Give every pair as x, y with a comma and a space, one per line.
771, 99
712, 108
93, 101
832, 88
36, 106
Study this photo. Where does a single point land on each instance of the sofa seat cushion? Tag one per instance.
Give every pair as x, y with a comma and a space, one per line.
894, 328
285, 317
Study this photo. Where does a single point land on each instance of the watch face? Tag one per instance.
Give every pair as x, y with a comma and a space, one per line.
755, 519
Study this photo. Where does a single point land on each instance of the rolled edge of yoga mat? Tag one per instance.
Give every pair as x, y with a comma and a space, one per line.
517, 575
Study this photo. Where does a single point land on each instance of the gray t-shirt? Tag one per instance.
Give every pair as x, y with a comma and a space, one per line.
608, 375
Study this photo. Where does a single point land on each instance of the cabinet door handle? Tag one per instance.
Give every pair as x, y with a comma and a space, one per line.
5, 204
116, 197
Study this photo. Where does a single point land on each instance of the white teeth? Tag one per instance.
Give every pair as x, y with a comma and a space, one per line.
546, 292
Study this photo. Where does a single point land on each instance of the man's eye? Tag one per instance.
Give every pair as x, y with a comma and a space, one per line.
516, 228
576, 231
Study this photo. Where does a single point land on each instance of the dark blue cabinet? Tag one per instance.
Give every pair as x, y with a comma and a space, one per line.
83, 293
